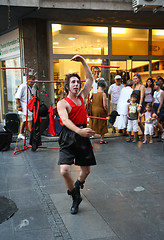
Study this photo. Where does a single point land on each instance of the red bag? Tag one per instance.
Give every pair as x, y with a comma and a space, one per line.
51, 128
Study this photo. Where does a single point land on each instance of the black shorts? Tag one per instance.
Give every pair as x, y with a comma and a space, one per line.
75, 149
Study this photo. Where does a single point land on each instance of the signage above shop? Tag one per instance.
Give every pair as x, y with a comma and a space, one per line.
9, 45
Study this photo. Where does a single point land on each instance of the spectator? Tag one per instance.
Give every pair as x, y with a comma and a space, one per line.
96, 72
122, 106
114, 93
139, 90
161, 80
133, 118
157, 106
149, 90
21, 101
149, 127
99, 109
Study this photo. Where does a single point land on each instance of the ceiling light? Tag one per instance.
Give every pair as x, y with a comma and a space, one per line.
55, 43
99, 60
118, 30
101, 29
71, 38
159, 32
56, 27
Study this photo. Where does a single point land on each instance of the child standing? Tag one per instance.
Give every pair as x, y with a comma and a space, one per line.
132, 118
149, 126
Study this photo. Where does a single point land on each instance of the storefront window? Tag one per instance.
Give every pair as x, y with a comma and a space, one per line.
157, 41
129, 41
69, 39
141, 67
11, 79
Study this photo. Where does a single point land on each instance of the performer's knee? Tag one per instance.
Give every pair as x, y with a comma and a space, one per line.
64, 171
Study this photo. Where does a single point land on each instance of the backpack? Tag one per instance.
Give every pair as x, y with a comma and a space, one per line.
5, 139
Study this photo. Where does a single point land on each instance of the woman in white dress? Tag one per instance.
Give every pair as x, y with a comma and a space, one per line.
122, 107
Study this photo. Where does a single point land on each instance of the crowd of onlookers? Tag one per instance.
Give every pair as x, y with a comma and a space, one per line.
135, 105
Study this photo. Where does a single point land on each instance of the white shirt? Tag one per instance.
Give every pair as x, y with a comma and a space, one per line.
22, 95
157, 96
122, 104
94, 86
114, 91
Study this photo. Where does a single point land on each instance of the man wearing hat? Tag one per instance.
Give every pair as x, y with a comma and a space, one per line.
114, 93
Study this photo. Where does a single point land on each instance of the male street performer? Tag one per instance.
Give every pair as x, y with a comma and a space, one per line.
75, 145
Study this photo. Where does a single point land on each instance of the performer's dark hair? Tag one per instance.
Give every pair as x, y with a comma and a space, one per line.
67, 81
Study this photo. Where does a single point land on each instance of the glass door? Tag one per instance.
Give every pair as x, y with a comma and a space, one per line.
124, 70
128, 68
10, 81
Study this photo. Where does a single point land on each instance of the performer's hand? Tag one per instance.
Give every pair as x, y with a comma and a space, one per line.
86, 132
77, 58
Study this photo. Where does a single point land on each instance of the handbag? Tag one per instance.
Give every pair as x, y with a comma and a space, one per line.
162, 109
90, 108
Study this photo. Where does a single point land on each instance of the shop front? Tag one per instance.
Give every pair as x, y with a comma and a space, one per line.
47, 48
133, 50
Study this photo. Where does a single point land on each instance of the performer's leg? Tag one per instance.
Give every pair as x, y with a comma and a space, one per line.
85, 171
73, 189
65, 171
76, 196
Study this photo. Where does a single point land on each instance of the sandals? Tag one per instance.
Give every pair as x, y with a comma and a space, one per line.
154, 136
103, 142
144, 142
128, 139
134, 140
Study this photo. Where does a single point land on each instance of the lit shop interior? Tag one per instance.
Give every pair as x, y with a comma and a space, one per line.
132, 50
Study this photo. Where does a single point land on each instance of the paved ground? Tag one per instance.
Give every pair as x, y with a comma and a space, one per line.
122, 198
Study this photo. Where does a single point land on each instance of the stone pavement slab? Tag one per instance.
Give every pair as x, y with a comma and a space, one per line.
90, 223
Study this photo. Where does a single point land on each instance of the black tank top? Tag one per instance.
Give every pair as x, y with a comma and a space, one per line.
138, 93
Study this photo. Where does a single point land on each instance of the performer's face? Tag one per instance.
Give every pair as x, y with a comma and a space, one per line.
74, 85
